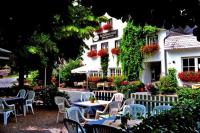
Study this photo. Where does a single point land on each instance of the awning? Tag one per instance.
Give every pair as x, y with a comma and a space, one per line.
84, 69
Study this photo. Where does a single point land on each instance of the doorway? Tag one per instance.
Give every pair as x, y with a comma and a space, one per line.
155, 68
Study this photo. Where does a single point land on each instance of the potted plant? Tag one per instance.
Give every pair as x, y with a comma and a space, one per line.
103, 52
149, 49
92, 99
107, 26
115, 51
92, 53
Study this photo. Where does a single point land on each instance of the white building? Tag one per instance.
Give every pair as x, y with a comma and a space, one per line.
105, 39
176, 50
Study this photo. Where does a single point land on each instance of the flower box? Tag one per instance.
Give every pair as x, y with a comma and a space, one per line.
107, 26
115, 51
189, 76
99, 30
92, 53
149, 49
103, 52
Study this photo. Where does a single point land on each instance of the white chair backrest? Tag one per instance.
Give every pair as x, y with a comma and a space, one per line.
160, 109
30, 95
137, 110
128, 102
1, 104
21, 93
61, 103
74, 113
117, 97
86, 95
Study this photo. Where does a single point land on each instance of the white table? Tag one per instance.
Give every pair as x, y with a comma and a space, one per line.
89, 105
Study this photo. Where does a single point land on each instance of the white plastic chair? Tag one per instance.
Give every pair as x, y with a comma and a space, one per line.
74, 113
62, 103
160, 109
86, 95
21, 93
6, 110
117, 97
128, 102
29, 101
111, 109
135, 110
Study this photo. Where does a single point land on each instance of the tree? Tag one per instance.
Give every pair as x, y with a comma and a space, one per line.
165, 13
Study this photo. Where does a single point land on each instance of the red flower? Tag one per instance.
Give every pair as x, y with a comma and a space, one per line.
102, 52
107, 26
124, 83
115, 50
92, 53
189, 76
93, 79
148, 49
99, 30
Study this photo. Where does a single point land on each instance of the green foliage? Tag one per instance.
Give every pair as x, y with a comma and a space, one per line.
149, 30
183, 117
104, 64
32, 77
168, 84
118, 79
130, 56
65, 69
83, 23
42, 45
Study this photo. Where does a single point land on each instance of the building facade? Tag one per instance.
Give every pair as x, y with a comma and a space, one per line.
178, 51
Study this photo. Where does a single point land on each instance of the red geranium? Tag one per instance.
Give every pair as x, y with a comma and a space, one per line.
107, 26
99, 30
148, 49
124, 83
189, 76
92, 53
102, 52
93, 79
115, 50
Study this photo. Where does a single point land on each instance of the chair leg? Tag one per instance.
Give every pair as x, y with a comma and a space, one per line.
32, 109
5, 118
15, 116
24, 110
57, 117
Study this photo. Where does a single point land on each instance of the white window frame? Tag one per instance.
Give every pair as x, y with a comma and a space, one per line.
117, 72
196, 65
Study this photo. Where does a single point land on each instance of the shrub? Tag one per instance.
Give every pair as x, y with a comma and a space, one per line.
94, 79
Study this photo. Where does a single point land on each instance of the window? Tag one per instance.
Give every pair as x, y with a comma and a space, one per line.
189, 64
93, 47
115, 71
110, 21
117, 43
104, 45
152, 40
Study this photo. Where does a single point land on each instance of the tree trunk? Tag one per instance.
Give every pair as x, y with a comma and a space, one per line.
21, 76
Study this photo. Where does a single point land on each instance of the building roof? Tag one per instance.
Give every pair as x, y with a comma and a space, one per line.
181, 42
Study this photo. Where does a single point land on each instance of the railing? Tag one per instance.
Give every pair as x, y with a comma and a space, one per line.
104, 95
150, 101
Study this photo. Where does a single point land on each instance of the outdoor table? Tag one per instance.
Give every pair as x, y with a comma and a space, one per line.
91, 107
17, 101
110, 121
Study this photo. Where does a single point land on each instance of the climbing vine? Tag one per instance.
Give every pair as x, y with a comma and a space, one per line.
104, 64
130, 55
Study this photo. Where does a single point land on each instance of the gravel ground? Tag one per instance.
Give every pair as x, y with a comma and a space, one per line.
43, 121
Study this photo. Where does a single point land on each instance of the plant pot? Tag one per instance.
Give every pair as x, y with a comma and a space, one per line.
92, 101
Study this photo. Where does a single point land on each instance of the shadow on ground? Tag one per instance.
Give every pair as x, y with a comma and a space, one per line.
43, 121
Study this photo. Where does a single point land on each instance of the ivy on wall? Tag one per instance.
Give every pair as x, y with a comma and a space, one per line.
104, 64
130, 55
